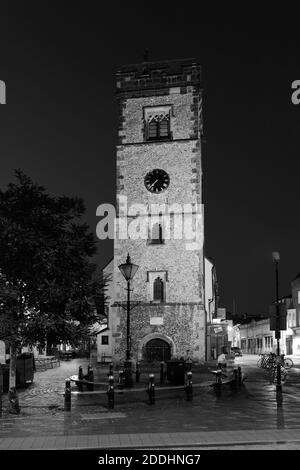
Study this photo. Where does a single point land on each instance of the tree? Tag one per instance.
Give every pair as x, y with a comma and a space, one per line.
49, 284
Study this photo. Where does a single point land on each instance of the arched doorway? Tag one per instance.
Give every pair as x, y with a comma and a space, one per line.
157, 350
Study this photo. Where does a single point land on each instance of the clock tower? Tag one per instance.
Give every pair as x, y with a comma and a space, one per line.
159, 212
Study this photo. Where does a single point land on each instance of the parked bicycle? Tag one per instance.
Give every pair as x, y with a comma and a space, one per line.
270, 360
287, 362
266, 360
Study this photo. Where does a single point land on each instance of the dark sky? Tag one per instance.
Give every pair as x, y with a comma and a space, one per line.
60, 121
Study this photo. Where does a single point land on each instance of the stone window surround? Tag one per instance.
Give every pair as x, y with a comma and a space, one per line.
150, 336
159, 109
163, 108
151, 276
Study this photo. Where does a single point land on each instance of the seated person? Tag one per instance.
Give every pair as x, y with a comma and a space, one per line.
222, 361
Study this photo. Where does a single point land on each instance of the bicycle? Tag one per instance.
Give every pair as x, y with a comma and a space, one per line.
287, 362
262, 361
274, 371
266, 361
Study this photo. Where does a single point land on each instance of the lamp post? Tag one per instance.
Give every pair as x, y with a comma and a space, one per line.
276, 259
128, 270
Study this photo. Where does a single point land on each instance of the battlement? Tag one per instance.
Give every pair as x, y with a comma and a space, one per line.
158, 75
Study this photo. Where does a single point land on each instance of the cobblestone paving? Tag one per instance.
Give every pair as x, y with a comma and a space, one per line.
253, 407
46, 393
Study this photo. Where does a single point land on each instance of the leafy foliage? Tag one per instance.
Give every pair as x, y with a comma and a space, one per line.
49, 286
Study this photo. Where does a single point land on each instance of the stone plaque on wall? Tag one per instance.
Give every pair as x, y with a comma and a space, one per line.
156, 321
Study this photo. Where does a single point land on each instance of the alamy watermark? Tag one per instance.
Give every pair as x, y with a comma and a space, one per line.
2, 92
152, 222
296, 94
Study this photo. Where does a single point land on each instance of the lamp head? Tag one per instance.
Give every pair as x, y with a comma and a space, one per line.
128, 269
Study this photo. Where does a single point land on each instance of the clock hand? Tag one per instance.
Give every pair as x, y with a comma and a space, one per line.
153, 184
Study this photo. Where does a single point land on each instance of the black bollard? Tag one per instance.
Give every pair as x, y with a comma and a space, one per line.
239, 376
162, 372
68, 395
90, 378
235, 383
80, 377
1, 390
189, 386
111, 392
121, 379
137, 372
14, 407
151, 389
218, 385
279, 397
128, 374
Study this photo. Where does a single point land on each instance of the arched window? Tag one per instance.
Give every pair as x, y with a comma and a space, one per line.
158, 290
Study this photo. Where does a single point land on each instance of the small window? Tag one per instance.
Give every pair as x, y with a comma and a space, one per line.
158, 290
104, 339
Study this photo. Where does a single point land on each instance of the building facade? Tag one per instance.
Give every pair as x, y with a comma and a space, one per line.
294, 315
256, 337
159, 219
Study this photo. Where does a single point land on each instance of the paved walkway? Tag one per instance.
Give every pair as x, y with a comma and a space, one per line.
251, 417
198, 440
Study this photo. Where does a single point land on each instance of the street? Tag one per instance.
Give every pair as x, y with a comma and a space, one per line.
252, 408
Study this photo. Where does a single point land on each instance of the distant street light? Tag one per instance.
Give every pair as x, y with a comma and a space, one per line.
128, 270
276, 259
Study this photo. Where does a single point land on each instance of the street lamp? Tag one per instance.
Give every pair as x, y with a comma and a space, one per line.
128, 270
276, 259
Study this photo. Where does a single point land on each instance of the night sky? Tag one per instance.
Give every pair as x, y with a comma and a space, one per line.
60, 122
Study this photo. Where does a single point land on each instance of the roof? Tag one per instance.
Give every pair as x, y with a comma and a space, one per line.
107, 263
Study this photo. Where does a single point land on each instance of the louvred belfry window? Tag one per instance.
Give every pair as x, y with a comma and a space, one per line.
158, 125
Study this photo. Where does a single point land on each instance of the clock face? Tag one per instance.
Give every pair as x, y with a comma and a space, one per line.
157, 181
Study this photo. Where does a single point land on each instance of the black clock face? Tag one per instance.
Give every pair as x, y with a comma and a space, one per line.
157, 181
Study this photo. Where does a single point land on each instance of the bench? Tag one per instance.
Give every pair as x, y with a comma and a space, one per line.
47, 362
66, 355
222, 378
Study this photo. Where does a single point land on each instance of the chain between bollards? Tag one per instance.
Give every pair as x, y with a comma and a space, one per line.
68, 395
